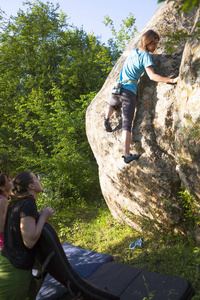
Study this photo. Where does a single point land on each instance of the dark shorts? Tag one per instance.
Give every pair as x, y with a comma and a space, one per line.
128, 100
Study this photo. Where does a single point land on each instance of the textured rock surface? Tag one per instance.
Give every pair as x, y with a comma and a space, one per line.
165, 131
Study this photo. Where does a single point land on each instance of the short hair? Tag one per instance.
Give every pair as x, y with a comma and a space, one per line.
148, 37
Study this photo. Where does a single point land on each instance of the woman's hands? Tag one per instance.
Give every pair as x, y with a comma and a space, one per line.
31, 230
46, 212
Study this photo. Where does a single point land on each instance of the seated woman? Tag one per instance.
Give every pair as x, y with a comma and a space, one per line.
6, 185
23, 227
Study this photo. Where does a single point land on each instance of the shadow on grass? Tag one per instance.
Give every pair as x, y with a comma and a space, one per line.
91, 226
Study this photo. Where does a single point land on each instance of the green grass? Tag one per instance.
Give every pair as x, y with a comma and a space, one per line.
91, 226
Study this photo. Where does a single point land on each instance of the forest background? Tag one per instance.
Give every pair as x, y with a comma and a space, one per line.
50, 72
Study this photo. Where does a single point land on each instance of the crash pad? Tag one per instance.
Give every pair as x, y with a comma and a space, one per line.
130, 283
83, 261
51, 257
97, 277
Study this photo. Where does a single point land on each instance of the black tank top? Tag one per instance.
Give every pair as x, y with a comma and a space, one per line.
14, 249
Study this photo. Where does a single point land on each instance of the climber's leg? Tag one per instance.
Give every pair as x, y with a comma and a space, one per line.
109, 113
128, 110
126, 139
114, 101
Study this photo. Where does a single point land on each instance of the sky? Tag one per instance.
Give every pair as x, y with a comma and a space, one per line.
89, 14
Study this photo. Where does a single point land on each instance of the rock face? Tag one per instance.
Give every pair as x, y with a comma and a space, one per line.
166, 131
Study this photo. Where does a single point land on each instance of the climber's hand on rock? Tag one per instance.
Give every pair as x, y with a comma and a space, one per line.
174, 80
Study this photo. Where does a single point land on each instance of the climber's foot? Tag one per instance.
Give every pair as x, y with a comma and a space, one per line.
107, 125
131, 157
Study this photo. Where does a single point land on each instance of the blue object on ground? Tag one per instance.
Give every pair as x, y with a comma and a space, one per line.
137, 244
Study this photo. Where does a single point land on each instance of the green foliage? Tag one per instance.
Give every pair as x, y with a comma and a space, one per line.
181, 35
90, 225
126, 33
50, 72
193, 129
190, 207
174, 39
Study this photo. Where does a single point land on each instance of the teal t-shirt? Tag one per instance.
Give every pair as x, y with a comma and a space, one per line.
133, 68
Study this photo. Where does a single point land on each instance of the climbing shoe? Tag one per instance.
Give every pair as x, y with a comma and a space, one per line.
107, 125
131, 157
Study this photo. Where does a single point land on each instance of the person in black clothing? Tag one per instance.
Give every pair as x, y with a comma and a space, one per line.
23, 227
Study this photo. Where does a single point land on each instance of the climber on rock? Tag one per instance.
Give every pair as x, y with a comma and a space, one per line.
138, 60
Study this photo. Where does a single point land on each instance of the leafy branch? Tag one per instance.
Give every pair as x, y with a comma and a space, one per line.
126, 33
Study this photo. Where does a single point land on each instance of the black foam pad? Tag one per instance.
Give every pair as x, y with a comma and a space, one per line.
59, 267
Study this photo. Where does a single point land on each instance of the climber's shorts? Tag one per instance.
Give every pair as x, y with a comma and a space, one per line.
128, 100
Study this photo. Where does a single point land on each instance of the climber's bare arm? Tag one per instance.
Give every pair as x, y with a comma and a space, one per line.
155, 77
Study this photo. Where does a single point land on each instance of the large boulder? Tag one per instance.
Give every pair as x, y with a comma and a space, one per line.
166, 131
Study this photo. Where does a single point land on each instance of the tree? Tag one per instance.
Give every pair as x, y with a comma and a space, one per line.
50, 71
124, 35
